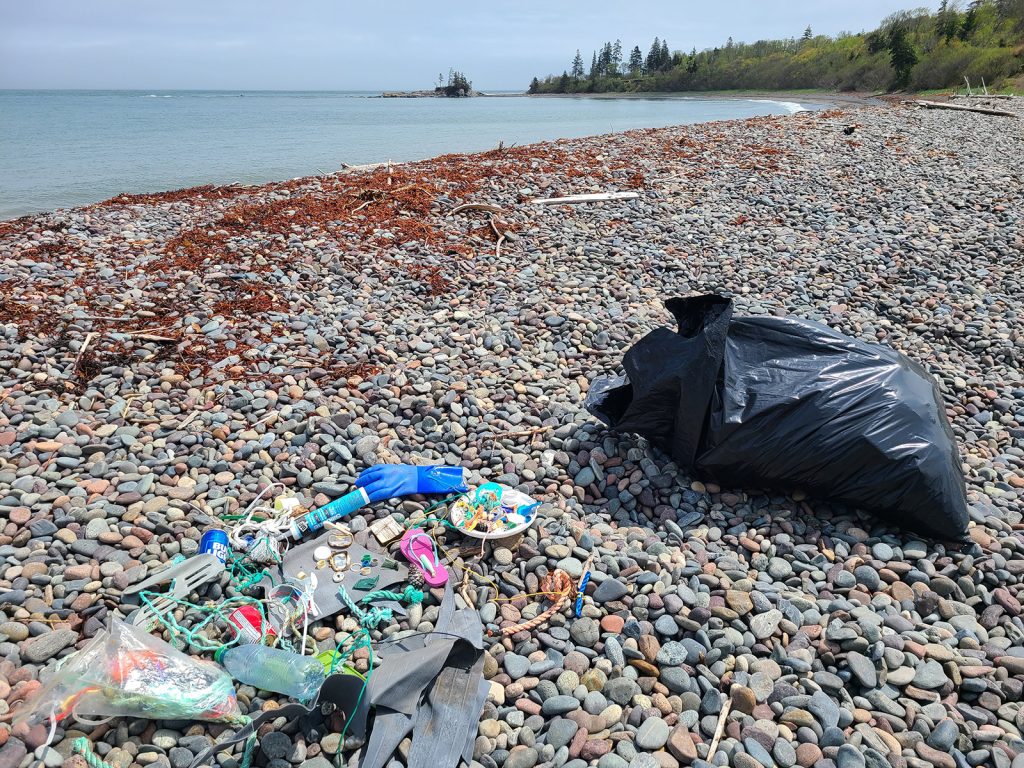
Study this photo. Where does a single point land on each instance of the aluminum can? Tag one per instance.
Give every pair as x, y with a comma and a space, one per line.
249, 626
215, 541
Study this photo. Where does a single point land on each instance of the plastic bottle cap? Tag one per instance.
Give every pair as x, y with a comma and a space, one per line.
219, 654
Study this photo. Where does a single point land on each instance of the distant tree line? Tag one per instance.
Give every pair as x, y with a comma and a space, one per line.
917, 49
606, 68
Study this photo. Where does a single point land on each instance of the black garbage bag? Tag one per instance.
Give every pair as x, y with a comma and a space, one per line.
778, 402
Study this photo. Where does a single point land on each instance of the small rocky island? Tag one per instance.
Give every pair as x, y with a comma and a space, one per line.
456, 86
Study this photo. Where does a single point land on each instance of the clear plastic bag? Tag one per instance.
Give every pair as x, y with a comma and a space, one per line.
124, 671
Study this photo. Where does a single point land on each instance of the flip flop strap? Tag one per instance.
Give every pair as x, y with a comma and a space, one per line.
422, 559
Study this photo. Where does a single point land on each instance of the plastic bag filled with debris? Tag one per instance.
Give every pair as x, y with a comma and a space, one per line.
125, 671
778, 402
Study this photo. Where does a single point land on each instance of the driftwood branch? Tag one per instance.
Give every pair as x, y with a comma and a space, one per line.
719, 729
85, 345
598, 197
149, 336
592, 351
377, 195
104, 318
523, 433
962, 108
982, 96
364, 167
499, 234
474, 207
188, 419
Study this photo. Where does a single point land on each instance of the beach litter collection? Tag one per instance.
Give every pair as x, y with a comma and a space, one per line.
308, 566
493, 511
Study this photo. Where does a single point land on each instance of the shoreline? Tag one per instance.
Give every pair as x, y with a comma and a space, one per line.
256, 178
816, 97
165, 357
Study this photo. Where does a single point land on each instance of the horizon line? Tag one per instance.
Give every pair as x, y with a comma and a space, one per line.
251, 90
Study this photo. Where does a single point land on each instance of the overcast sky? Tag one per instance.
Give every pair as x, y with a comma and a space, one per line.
381, 44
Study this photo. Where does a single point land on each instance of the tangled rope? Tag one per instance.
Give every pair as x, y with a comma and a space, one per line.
212, 612
558, 587
371, 618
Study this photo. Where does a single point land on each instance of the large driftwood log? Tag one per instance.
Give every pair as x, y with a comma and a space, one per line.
962, 108
983, 96
593, 198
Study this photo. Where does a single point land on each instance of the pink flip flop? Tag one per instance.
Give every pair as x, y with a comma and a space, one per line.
421, 551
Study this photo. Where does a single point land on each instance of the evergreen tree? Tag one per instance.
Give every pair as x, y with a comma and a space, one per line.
653, 56
970, 22
616, 64
563, 82
947, 21
664, 57
636, 61
534, 85
577, 66
876, 42
691, 62
807, 33
902, 55
604, 60
593, 65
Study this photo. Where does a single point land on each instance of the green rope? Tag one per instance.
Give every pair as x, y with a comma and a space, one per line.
243, 576
362, 638
409, 595
192, 635
82, 746
439, 521
250, 750
371, 618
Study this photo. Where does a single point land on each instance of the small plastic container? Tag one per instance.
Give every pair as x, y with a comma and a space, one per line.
274, 669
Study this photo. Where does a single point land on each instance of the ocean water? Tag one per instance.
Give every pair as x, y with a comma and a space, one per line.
65, 148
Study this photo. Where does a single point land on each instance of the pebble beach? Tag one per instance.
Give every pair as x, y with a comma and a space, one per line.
165, 357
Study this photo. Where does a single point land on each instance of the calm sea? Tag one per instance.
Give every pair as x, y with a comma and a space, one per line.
67, 148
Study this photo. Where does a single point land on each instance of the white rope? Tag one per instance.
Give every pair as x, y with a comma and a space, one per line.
265, 535
49, 739
89, 723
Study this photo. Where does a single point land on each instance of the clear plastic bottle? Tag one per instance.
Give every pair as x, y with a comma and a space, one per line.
273, 669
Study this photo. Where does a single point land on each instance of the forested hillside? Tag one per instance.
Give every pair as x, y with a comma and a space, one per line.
916, 50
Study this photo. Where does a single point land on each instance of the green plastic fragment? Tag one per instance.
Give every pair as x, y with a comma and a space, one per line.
366, 584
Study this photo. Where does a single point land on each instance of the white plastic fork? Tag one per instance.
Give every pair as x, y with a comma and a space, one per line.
187, 576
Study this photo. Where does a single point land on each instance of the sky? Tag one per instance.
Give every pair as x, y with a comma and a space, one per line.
376, 45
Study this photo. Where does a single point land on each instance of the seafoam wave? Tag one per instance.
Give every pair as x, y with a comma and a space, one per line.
158, 96
790, 106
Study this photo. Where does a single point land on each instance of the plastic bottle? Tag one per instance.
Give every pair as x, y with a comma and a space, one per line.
273, 669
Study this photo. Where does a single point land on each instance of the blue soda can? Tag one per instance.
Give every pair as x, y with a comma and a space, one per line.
215, 541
